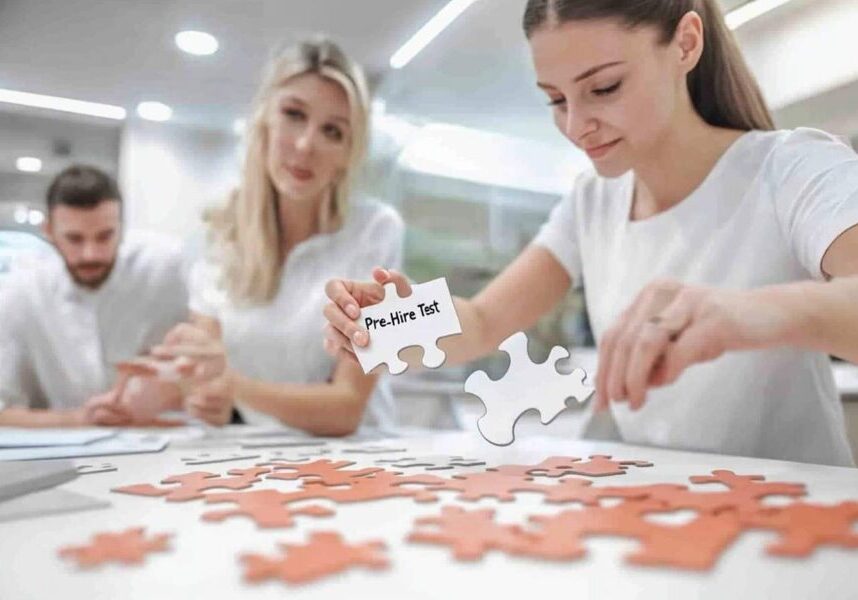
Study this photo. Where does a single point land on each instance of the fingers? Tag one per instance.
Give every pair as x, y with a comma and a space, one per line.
108, 415
620, 344
184, 333
336, 341
347, 327
693, 346
207, 349
648, 350
339, 291
212, 409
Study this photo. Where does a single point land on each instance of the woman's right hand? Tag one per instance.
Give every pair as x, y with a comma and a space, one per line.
347, 298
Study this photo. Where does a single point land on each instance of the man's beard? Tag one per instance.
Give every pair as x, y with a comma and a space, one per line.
92, 282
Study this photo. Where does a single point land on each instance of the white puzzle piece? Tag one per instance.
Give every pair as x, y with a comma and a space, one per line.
525, 386
207, 458
416, 320
432, 463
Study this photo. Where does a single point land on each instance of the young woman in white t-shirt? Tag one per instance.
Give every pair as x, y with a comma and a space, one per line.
691, 184
289, 227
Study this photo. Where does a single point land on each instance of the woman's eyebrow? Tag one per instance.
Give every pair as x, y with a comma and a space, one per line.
592, 71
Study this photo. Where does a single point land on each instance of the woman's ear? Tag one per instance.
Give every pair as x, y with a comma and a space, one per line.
689, 40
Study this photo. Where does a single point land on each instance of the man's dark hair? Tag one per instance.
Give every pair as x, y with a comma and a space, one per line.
82, 186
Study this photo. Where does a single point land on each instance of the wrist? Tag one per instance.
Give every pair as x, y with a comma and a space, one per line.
792, 312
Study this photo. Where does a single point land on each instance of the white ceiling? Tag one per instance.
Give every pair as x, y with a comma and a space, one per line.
122, 51
477, 73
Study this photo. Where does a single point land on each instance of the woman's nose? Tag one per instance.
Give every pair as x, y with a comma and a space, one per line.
305, 141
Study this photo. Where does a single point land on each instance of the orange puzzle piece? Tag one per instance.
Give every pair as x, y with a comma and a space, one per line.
192, 485
129, 547
469, 533
560, 466
267, 508
325, 554
384, 484
329, 471
804, 527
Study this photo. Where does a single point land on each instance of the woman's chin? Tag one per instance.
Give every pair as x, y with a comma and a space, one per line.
611, 169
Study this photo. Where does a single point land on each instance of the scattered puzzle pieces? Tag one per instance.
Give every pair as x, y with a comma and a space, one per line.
129, 547
192, 485
324, 554
525, 386
744, 493
396, 323
560, 466
329, 471
695, 545
381, 485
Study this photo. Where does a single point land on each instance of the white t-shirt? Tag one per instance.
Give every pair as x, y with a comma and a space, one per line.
766, 214
59, 341
281, 342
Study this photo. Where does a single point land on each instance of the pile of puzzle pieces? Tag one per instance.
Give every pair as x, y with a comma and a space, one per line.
720, 514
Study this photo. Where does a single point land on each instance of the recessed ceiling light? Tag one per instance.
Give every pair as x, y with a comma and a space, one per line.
28, 164
92, 109
750, 11
198, 43
36, 217
429, 32
154, 111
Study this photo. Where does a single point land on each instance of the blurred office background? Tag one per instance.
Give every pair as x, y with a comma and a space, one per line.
462, 144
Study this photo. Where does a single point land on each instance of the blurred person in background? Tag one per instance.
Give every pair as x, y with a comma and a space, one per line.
291, 225
66, 321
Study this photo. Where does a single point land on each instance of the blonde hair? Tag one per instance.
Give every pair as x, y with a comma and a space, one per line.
246, 229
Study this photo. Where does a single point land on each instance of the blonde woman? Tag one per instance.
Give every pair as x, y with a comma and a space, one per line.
690, 183
289, 227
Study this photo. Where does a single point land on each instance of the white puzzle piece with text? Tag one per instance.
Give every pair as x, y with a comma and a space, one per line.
416, 320
525, 386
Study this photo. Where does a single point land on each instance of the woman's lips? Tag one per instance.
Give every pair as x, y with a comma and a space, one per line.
600, 151
300, 174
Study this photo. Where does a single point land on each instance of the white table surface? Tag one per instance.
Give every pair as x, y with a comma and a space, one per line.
203, 560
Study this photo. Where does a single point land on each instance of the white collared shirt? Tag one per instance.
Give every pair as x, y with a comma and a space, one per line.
282, 341
59, 341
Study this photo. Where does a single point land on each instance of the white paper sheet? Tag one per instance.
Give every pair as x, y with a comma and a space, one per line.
121, 443
19, 437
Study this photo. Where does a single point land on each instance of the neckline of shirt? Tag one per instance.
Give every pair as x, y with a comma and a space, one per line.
689, 202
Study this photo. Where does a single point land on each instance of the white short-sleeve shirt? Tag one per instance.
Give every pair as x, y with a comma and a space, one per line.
59, 341
766, 214
281, 341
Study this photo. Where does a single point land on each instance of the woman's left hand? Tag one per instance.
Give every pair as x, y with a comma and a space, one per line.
196, 354
212, 401
672, 326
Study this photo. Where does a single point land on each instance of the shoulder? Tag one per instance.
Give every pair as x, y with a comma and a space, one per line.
788, 149
24, 287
